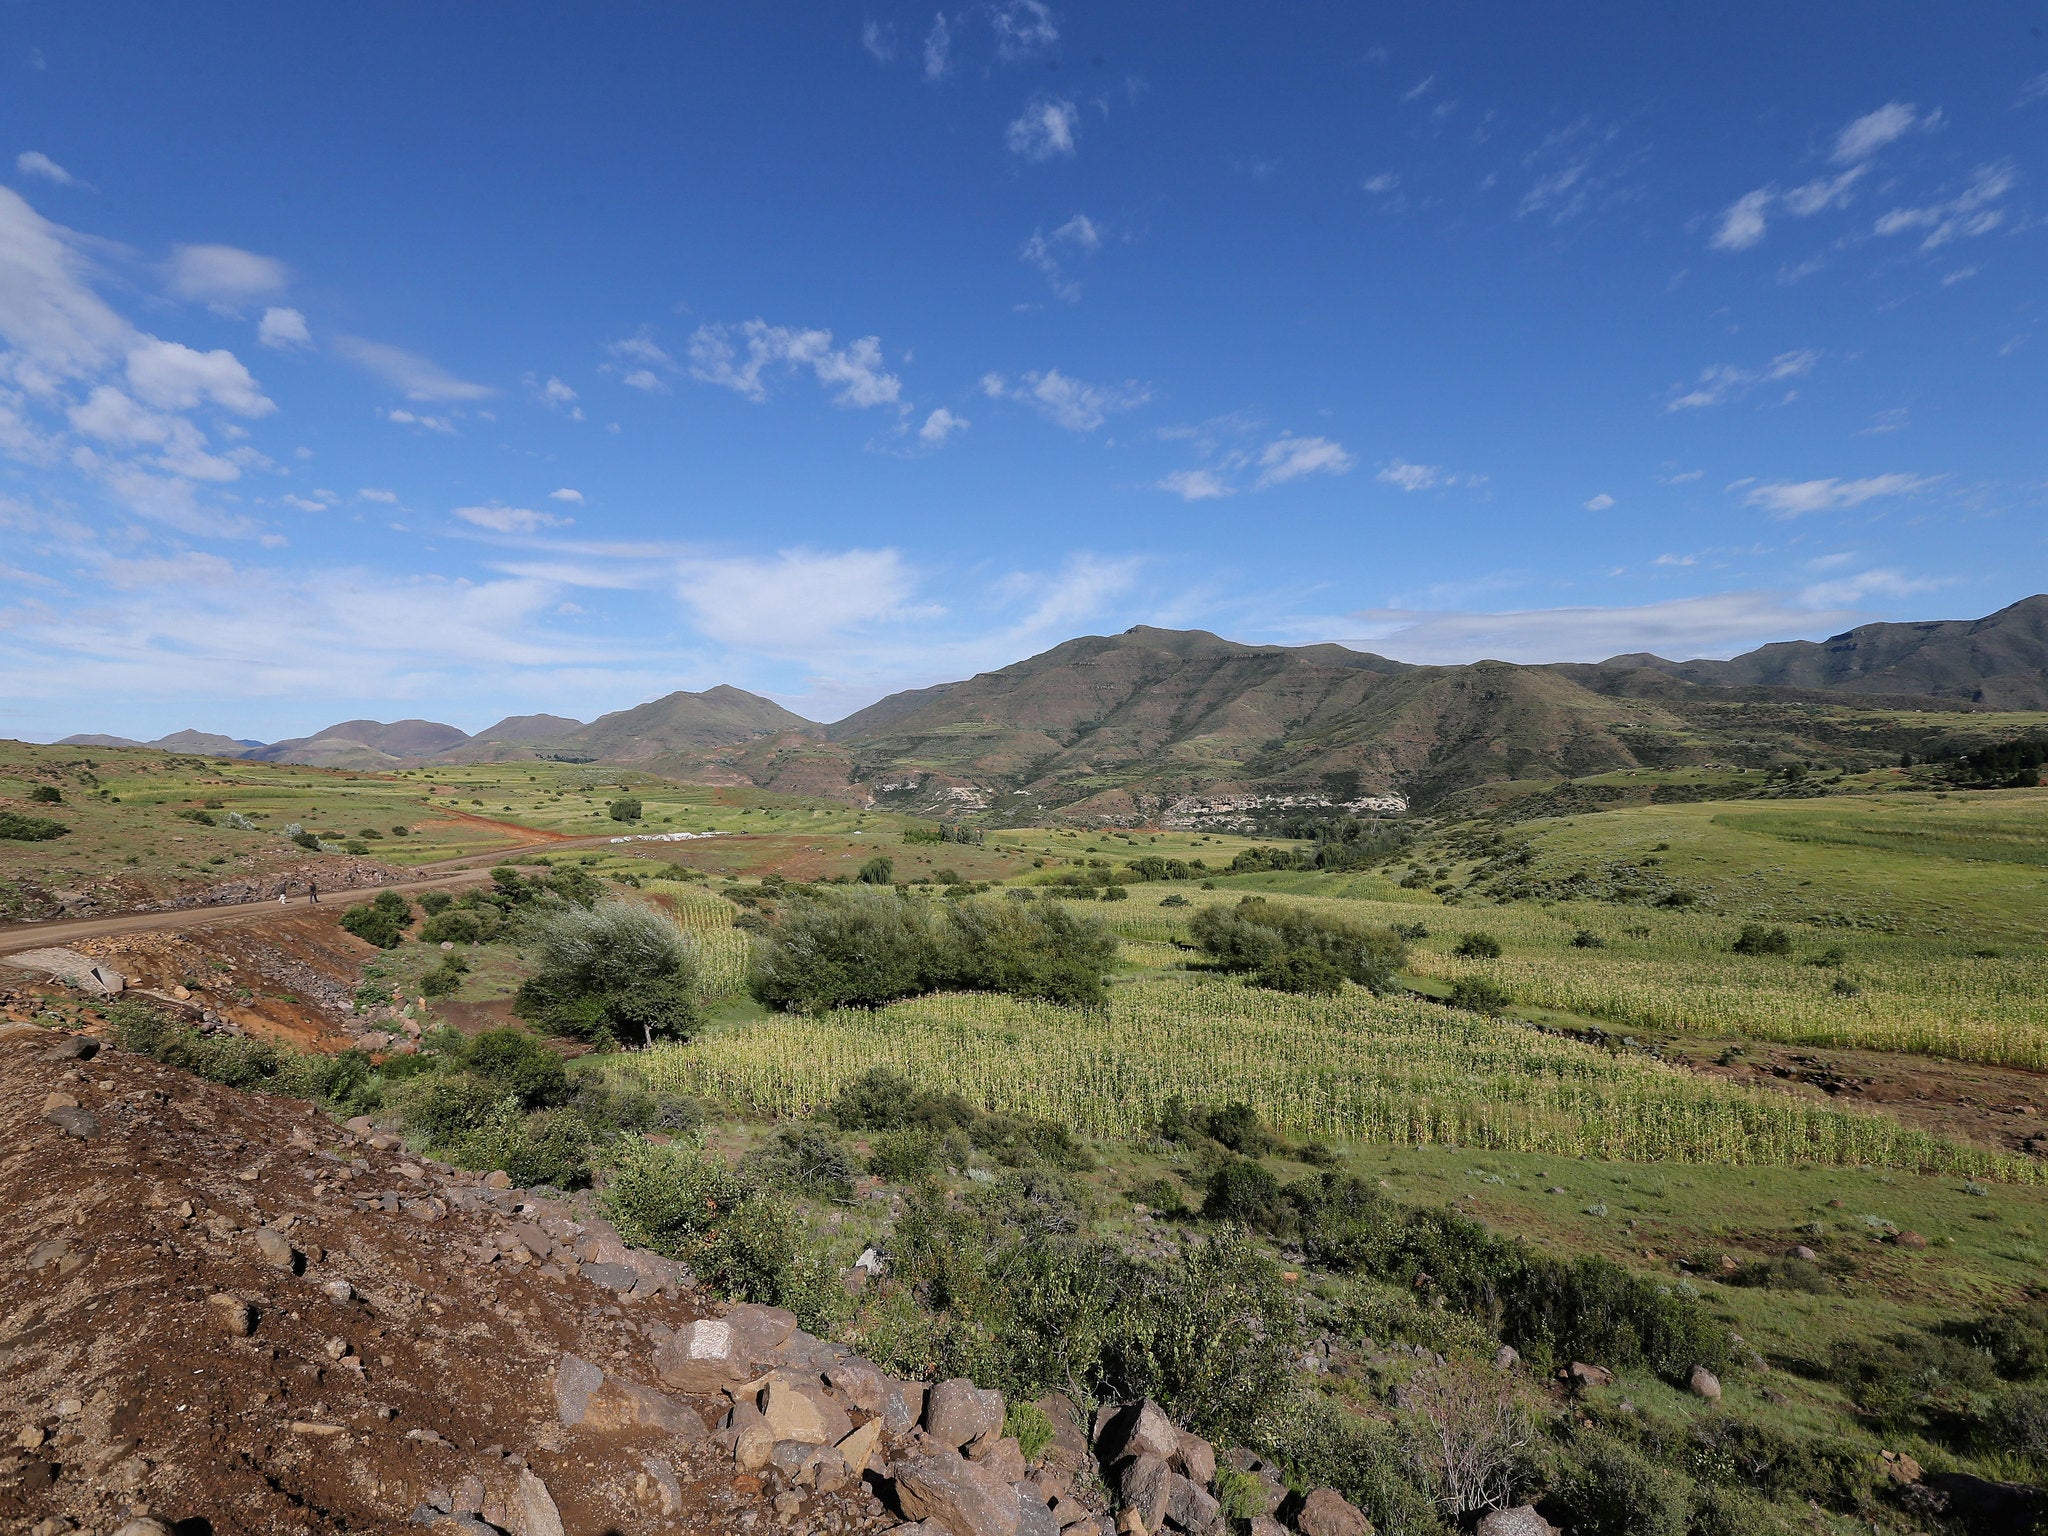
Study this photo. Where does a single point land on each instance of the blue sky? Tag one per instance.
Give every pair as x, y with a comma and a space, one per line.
440, 359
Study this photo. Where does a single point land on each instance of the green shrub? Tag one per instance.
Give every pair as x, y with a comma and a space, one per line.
854, 949
1046, 951
1030, 1426
1480, 994
1294, 949
446, 978
1756, 939
380, 921
1586, 938
2016, 1339
879, 870
46, 794
810, 1160
1609, 1488
435, 902
1244, 1191
611, 973
905, 1155
1478, 946
1585, 1308
682, 1202
549, 1148
457, 925
625, 808
307, 841
203, 818
16, 827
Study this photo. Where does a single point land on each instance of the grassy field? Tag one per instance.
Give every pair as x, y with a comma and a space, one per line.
1357, 1068
1964, 866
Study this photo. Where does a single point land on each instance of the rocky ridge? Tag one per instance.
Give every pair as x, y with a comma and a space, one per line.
224, 1308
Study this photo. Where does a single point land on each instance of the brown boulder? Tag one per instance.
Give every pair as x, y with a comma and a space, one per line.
1197, 1458
702, 1357
957, 1411
945, 1489
1327, 1513
1143, 1429
1584, 1375
1145, 1482
1704, 1383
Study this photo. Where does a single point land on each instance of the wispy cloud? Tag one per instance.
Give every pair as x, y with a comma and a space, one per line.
1046, 129
33, 162
879, 40
1600, 503
1744, 222
1966, 214
1065, 401
1407, 476
737, 358
938, 49
1797, 498
1290, 458
1724, 381
940, 426
1049, 253
640, 362
1874, 130
226, 276
498, 518
421, 380
1023, 29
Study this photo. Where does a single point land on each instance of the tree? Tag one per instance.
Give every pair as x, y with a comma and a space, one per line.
617, 971
859, 949
1295, 950
880, 870
1466, 1433
625, 808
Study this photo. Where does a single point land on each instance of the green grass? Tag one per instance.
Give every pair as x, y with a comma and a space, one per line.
1399, 1071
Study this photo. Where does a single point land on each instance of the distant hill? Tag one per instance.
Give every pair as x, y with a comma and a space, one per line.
684, 722
100, 741
1118, 726
206, 744
365, 744
2000, 661
528, 728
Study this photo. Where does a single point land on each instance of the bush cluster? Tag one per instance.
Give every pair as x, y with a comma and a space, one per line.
615, 973
865, 948
16, 827
1292, 949
381, 921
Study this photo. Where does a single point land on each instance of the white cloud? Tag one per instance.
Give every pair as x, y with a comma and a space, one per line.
2034, 90
854, 372
372, 493
1823, 192
1848, 590
1742, 222
646, 380
1197, 485
1386, 181
405, 418
1961, 216
422, 380
225, 275
176, 378
283, 328
573, 497
1788, 498
1872, 131
1046, 252
1065, 401
797, 601
1716, 624
938, 49
59, 328
879, 41
939, 426
1599, 503
1045, 130
1023, 28
1420, 89
33, 162
503, 519
1423, 477
1289, 458
1725, 381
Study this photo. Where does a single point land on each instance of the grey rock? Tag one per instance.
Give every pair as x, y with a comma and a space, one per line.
1522, 1520
1034, 1515
1145, 1482
1506, 1357
951, 1493
958, 1411
72, 1121
274, 1248
1197, 1458
613, 1277
1190, 1508
532, 1511
1142, 1429
702, 1357
1704, 1383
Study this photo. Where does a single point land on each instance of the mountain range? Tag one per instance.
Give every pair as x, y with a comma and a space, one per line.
1121, 725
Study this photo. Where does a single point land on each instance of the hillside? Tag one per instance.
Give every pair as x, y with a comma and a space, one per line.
683, 722
2000, 660
364, 744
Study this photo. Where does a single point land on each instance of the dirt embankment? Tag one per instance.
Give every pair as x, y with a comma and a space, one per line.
227, 1312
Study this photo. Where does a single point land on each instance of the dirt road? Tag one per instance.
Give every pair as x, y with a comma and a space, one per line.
440, 875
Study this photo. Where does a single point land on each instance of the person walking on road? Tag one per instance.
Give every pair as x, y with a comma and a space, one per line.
313, 892
284, 893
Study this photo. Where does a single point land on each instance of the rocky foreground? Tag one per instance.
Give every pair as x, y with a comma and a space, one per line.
223, 1312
